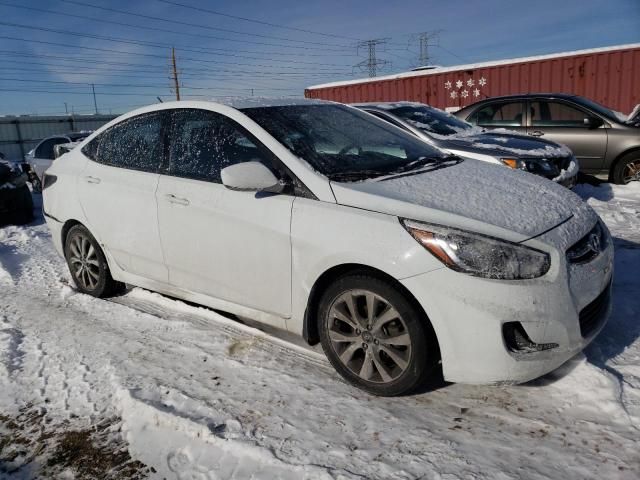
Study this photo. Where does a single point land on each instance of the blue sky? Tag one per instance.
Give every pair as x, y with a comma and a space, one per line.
221, 56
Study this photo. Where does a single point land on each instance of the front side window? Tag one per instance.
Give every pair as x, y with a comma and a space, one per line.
205, 142
431, 120
135, 143
504, 114
556, 114
343, 143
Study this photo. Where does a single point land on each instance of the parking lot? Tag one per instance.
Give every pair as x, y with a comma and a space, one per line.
187, 392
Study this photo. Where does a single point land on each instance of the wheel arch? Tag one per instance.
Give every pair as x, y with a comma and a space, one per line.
66, 227
310, 330
620, 156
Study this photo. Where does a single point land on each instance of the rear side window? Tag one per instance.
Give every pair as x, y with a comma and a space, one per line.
90, 150
135, 143
505, 114
205, 142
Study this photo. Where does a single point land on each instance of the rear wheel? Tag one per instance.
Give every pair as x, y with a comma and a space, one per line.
627, 169
88, 265
375, 337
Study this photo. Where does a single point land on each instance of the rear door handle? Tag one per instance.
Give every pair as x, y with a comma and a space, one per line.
177, 200
536, 133
90, 179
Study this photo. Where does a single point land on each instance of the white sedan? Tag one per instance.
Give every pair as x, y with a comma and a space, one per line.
323, 220
42, 156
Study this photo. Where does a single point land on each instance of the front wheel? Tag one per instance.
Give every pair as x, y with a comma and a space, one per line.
375, 337
627, 169
87, 264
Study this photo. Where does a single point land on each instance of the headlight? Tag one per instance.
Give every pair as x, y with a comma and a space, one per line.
477, 254
514, 163
540, 166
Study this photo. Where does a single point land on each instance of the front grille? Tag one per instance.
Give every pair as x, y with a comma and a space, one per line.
589, 246
592, 316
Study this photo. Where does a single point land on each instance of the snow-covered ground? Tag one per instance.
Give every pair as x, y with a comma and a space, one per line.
143, 385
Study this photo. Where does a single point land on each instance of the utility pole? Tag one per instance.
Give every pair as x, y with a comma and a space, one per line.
176, 84
66, 109
95, 104
372, 64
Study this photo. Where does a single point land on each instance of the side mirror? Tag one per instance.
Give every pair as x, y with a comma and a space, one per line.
593, 122
250, 176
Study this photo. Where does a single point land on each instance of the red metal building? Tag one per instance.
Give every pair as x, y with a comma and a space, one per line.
609, 75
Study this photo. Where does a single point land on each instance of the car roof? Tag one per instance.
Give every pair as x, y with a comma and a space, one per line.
565, 96
389, 105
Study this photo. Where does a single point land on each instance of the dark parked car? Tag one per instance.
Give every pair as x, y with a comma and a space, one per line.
16, 204
443, 130
604, 141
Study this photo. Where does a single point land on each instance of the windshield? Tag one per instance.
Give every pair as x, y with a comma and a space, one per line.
343, 143
431, 120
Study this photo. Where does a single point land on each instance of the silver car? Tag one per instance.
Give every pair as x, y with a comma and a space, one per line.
604, 141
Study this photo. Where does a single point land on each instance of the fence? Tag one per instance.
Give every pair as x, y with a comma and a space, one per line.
20, 134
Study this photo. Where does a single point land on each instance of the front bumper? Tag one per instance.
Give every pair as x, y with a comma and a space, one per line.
468, 314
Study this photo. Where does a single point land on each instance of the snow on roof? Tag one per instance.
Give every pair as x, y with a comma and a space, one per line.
255, 102
472, 66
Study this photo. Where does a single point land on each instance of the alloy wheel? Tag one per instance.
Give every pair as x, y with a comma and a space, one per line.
631, 172
369, 336
84, 262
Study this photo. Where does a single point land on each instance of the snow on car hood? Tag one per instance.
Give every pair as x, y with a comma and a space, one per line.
473, 195
506, 144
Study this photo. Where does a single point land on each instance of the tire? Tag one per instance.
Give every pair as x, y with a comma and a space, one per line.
361, 351
17, 205
88, 265
627, 169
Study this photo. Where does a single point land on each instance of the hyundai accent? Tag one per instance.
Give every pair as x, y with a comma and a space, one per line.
323, 220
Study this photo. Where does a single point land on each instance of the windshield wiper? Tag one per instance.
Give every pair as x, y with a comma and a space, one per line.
353, 175
420, 162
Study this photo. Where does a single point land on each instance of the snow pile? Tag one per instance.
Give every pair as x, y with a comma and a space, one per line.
569, 172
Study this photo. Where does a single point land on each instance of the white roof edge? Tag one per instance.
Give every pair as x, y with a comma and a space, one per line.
470, 66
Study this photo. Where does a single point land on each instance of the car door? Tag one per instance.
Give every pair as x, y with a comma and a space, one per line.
230, 245
565, 123
118, 193
43, 154
502, 114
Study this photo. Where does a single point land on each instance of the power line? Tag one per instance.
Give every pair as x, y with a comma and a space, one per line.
452, 53
160, 45
163, 57
213, 12
177, 32
208, 27
137, 67
210, 73
127, 85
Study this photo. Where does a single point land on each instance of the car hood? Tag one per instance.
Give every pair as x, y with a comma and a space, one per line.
504, 145
475, 195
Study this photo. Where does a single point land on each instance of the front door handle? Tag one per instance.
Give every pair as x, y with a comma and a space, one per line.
90, 179
177, 200
536, 133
